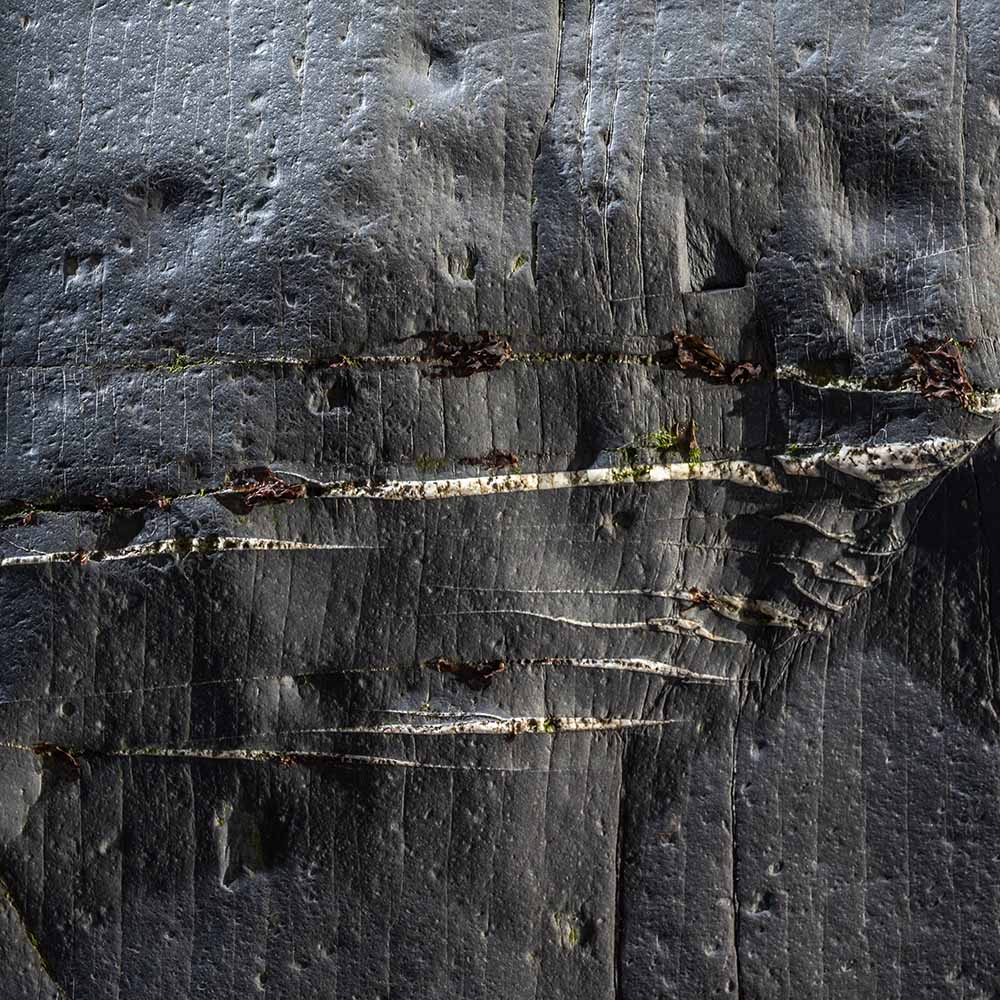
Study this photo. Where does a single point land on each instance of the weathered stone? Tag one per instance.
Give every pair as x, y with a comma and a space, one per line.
499, 501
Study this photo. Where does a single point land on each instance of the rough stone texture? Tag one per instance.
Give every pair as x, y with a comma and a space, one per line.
389, 609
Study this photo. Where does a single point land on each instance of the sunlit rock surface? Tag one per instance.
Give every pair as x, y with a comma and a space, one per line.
499, 500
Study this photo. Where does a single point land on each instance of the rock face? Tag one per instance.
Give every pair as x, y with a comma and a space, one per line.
499, 500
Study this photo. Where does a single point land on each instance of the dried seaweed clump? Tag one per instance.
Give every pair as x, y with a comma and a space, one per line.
476, 676
251, 487
694, 354
58, 758
496, 459
939, 371
461, 358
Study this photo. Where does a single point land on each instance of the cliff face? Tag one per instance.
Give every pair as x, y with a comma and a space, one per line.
499, 502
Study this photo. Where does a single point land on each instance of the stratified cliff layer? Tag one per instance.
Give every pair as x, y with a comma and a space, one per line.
499, 501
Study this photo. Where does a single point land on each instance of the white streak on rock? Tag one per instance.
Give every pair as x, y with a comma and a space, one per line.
896, 471
197, 545
679, 626
744, 473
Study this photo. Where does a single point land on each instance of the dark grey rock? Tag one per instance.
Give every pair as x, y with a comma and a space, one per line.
499, 501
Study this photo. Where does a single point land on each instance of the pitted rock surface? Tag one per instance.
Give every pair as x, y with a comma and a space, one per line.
499, 500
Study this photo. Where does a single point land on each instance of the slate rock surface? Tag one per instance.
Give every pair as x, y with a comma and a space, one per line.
499, 500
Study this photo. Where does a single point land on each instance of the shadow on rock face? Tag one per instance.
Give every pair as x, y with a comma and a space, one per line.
939, 604
252, 838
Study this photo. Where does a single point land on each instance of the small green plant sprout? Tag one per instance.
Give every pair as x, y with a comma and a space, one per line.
518, 262
689, 440
550, 724
663, 439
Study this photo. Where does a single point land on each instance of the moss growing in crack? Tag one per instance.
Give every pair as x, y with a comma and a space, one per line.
662, 439
694, 455
518, 262
628, 466
427, 463
343, 361
630, 462
628, 455
180, 362
550, 724
568, 929
983, 402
